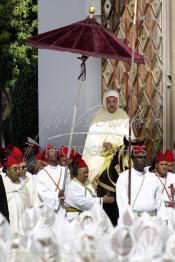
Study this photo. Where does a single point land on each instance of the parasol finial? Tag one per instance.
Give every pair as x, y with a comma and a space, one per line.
92, 10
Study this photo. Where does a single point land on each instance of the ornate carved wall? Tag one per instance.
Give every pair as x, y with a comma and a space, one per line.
147, 80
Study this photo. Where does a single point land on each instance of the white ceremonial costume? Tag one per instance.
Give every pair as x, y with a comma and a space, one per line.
28, 174
145, 192
105, 127
18, 199
49, 182
165, 211
30, 182
77, 198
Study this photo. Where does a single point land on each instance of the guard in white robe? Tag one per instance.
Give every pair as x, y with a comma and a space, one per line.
78, 196
17, 194
49, 185
50, 181
145, 194
30, 182
166, 181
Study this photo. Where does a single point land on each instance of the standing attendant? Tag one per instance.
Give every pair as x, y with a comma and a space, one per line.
166, 180
145, 190
78, 195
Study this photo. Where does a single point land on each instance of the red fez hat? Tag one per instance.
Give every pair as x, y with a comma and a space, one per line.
49, 148
21, 160
74, 154
1, 164
80, 163
169, 156
16, 153
10, 161
138, 150
63, 152
40, 156
160, 157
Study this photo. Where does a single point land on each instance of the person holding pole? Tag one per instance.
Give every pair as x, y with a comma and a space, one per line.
79, 196
50, 181
145, 191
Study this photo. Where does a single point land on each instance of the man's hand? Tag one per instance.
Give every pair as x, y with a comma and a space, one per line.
61, 194
108, 199
96, 180
107, 146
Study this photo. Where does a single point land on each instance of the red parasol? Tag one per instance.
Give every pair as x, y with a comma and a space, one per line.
86, 37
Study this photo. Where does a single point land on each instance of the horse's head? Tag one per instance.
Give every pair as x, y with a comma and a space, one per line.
137, 141
123, 153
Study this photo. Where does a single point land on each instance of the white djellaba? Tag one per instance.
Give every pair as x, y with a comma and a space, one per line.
171, 223
151, 236
123, 243
5, 238
104, 127
145, 237
93, 226
99, 218
169, 254
79, 238
5, 232
3, 251
66, 233
111, 247
38, 242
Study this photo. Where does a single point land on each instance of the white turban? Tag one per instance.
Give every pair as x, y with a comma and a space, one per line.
108, 93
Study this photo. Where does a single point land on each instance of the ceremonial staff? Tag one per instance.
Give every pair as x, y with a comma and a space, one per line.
131, 89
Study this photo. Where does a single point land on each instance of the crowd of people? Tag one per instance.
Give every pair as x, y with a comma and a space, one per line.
91, 196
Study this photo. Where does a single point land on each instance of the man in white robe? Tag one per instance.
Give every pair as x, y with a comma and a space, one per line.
106, 132
166, 181
78, 195
104, 140
17, 194
30, 182
145, 194
50, 181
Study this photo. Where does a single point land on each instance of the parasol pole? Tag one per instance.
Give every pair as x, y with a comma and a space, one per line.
81, 77
131, 89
